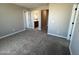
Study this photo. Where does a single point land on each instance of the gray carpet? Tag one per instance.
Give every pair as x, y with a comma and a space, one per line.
31, 42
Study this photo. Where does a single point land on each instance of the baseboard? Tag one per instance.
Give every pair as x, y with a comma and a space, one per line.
57, 35
70, 50
12, 33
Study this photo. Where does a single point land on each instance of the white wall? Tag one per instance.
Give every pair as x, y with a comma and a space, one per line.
11, 19
74, 43
59, 19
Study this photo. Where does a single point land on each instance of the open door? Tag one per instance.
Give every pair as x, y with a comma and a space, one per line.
44, 20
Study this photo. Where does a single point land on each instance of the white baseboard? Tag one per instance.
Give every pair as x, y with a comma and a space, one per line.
57, 35
70, 50
12, 33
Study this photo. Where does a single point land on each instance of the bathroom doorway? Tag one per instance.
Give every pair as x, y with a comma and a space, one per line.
36, 20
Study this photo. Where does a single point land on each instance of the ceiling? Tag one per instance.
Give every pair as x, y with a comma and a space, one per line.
31, 5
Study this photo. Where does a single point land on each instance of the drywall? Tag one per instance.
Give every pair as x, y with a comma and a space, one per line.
11, 19
59, 19
74, 43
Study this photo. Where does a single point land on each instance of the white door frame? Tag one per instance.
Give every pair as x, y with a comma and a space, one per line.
26, 22
71, 27
39, 19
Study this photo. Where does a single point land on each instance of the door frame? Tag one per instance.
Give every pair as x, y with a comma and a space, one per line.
73, 29
73, 16
24, 20
26, 23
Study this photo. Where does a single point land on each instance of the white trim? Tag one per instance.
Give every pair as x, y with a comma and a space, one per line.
12, 33
70, 50
71, 20
57, 35
74, 29
23, 18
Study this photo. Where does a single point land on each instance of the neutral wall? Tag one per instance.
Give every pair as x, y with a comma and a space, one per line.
11, 19
59, 19
74, 44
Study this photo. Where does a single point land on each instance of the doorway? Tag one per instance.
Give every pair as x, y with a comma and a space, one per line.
44, 20
26, 15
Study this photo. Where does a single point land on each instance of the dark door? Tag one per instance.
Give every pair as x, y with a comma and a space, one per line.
44, 20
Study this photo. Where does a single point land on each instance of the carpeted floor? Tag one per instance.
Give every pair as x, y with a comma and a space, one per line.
31, 42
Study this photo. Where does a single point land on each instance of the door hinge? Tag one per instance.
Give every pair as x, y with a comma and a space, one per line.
75, 8
72, 22
70, 35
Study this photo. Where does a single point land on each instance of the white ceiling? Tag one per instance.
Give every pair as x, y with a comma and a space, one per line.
31, 5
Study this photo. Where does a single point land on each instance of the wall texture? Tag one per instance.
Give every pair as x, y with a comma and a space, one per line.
11, 19
59, 19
